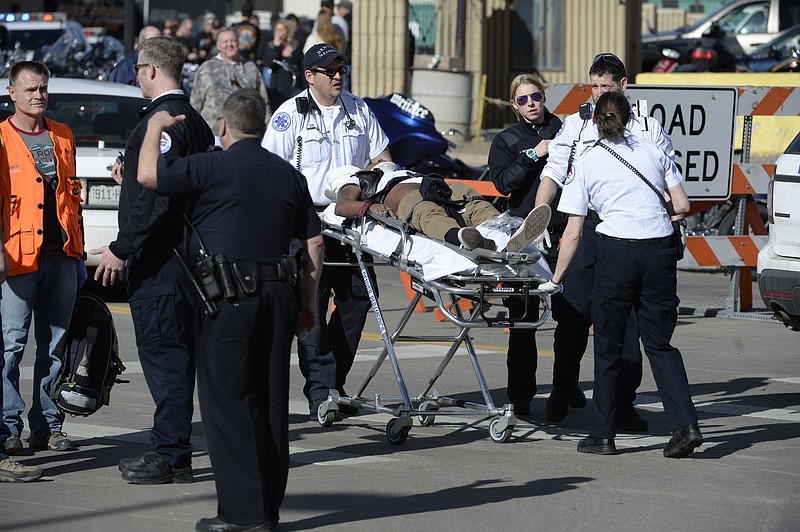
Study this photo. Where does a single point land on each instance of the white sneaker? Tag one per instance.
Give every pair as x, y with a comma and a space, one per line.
471, 239
11, 471
534, 225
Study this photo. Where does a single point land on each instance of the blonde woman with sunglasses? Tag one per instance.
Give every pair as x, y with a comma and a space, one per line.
516, 159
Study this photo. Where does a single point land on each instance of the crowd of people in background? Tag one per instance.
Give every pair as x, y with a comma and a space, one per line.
276, 51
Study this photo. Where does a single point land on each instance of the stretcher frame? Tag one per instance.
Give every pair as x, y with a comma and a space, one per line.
445, 292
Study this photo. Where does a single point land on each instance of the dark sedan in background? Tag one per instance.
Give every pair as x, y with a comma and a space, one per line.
779, 55
738, 26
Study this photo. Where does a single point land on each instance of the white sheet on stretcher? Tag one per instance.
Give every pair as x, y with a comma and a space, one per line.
438, 260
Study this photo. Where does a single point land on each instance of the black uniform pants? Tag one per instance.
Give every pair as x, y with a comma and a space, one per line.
243, 384
639, 277
327, 353
522, 356
572, 311
160, 314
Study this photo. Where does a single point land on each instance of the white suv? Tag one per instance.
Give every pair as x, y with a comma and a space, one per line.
779, 260
101, 115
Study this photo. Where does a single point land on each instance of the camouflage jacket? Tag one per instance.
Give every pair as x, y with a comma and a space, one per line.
216, 79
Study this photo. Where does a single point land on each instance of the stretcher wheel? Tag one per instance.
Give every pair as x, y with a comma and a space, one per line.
499, 436
395, 433
326, 417
426, 420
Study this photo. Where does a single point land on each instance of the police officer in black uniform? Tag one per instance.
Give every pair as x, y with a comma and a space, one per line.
249, 206
150, 227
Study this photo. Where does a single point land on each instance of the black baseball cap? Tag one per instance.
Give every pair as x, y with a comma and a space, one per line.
321, 55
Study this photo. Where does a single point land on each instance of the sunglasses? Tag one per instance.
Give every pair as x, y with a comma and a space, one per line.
330, 72
138, 67
535, 96
608, 58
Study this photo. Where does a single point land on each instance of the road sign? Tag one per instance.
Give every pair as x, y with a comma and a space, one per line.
700, 121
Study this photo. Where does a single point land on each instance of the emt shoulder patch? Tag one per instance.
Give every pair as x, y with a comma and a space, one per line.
281, 121
166, 142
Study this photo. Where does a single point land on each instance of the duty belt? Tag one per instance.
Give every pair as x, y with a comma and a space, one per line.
270, 272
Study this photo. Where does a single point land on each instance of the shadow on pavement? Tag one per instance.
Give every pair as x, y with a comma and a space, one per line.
345, 508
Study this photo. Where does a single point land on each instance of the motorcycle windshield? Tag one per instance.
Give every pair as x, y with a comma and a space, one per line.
411, 138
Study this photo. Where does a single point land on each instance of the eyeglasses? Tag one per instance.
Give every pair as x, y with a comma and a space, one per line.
535, 96
608, 58
330, 72
140, 66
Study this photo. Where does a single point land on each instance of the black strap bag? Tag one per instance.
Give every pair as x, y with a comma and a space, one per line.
677, 225
434, 188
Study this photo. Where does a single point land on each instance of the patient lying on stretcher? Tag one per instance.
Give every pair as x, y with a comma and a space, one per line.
445, 211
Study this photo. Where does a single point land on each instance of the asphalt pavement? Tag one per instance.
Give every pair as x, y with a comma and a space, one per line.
745, 377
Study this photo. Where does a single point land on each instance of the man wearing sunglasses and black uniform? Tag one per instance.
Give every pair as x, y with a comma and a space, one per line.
578, 134
327, 127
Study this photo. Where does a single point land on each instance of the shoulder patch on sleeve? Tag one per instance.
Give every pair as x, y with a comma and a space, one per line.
570, 176
281, 121
166, 142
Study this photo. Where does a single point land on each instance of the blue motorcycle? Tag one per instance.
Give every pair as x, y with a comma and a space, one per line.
414, 142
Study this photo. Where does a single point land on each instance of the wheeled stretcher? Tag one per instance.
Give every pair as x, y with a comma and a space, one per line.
445, 274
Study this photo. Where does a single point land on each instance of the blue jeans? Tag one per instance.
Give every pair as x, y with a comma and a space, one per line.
49, 295
3, 428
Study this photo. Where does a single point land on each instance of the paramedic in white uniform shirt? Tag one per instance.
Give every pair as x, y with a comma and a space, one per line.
324, 128
636, 268
578, 133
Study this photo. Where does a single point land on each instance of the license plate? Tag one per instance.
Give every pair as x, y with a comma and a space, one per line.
103, 196
665, 65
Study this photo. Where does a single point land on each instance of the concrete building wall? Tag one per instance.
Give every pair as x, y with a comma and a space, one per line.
380, 53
